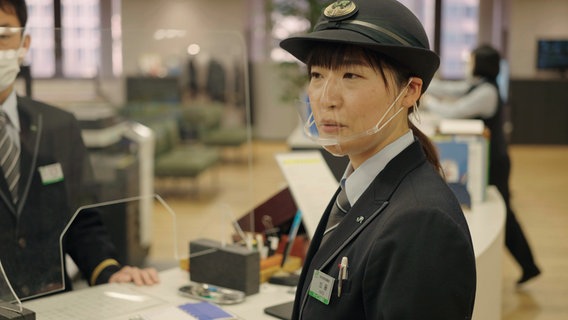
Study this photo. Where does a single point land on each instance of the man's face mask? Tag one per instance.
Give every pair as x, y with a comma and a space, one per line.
10, 57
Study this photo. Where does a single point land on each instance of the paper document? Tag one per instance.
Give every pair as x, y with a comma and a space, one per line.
311, 183
461, 126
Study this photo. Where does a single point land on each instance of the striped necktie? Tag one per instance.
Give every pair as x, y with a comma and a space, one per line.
338, 212
9, 158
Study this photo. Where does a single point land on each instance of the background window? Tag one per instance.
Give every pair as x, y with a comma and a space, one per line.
40, 26
425, 11
79, 38
459, 36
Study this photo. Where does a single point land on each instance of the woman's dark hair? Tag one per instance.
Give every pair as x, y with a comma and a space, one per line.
486, 62
427, 145
18, 7
335, 55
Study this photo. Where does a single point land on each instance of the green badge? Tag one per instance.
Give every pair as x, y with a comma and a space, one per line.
321, 287
51, 173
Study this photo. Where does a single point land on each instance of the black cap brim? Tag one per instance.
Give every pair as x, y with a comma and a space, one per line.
421, 62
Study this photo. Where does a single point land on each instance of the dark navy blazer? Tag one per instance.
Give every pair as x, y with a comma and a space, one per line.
409, 250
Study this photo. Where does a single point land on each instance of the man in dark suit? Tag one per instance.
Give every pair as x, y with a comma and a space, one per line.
393, 243
45, 171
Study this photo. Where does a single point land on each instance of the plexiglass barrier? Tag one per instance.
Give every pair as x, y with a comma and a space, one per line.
94, 237
8, 298
159, 111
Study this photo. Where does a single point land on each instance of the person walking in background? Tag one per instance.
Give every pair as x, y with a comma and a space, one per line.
478, 97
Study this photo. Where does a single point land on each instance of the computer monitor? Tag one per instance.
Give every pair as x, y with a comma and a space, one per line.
552, 54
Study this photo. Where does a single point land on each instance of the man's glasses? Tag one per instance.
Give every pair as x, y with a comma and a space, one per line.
10, 37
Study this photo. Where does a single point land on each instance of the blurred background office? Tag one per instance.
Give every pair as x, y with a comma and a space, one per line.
220, 97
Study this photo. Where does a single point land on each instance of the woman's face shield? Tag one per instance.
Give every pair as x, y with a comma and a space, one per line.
348, 103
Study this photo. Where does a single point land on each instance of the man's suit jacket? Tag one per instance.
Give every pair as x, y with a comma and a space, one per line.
408, 246
50, 138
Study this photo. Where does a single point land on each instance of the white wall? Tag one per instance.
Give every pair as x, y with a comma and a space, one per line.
531, 20
220, 27
217, 25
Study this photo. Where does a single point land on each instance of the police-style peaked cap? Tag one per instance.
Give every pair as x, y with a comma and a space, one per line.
385, 26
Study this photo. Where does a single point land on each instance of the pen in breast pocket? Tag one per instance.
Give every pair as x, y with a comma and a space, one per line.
345, 264
343, 274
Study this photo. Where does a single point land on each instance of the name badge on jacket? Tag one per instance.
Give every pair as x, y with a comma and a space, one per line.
321, 287
51, 173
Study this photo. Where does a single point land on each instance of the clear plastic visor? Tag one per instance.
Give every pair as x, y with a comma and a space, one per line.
328, 121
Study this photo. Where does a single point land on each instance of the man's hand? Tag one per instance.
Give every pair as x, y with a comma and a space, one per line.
146, 276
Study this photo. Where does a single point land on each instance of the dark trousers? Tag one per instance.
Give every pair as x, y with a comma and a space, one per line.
515, 239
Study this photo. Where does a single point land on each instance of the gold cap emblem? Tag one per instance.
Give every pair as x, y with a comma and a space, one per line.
340, 9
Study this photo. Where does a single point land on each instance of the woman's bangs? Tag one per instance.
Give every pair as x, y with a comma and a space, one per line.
333, 56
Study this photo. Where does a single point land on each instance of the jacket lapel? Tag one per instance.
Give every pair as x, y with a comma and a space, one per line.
5, 194
30, 138
354, 222
368, 207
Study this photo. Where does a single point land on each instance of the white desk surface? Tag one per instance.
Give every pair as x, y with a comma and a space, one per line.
252, 308
170, 280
